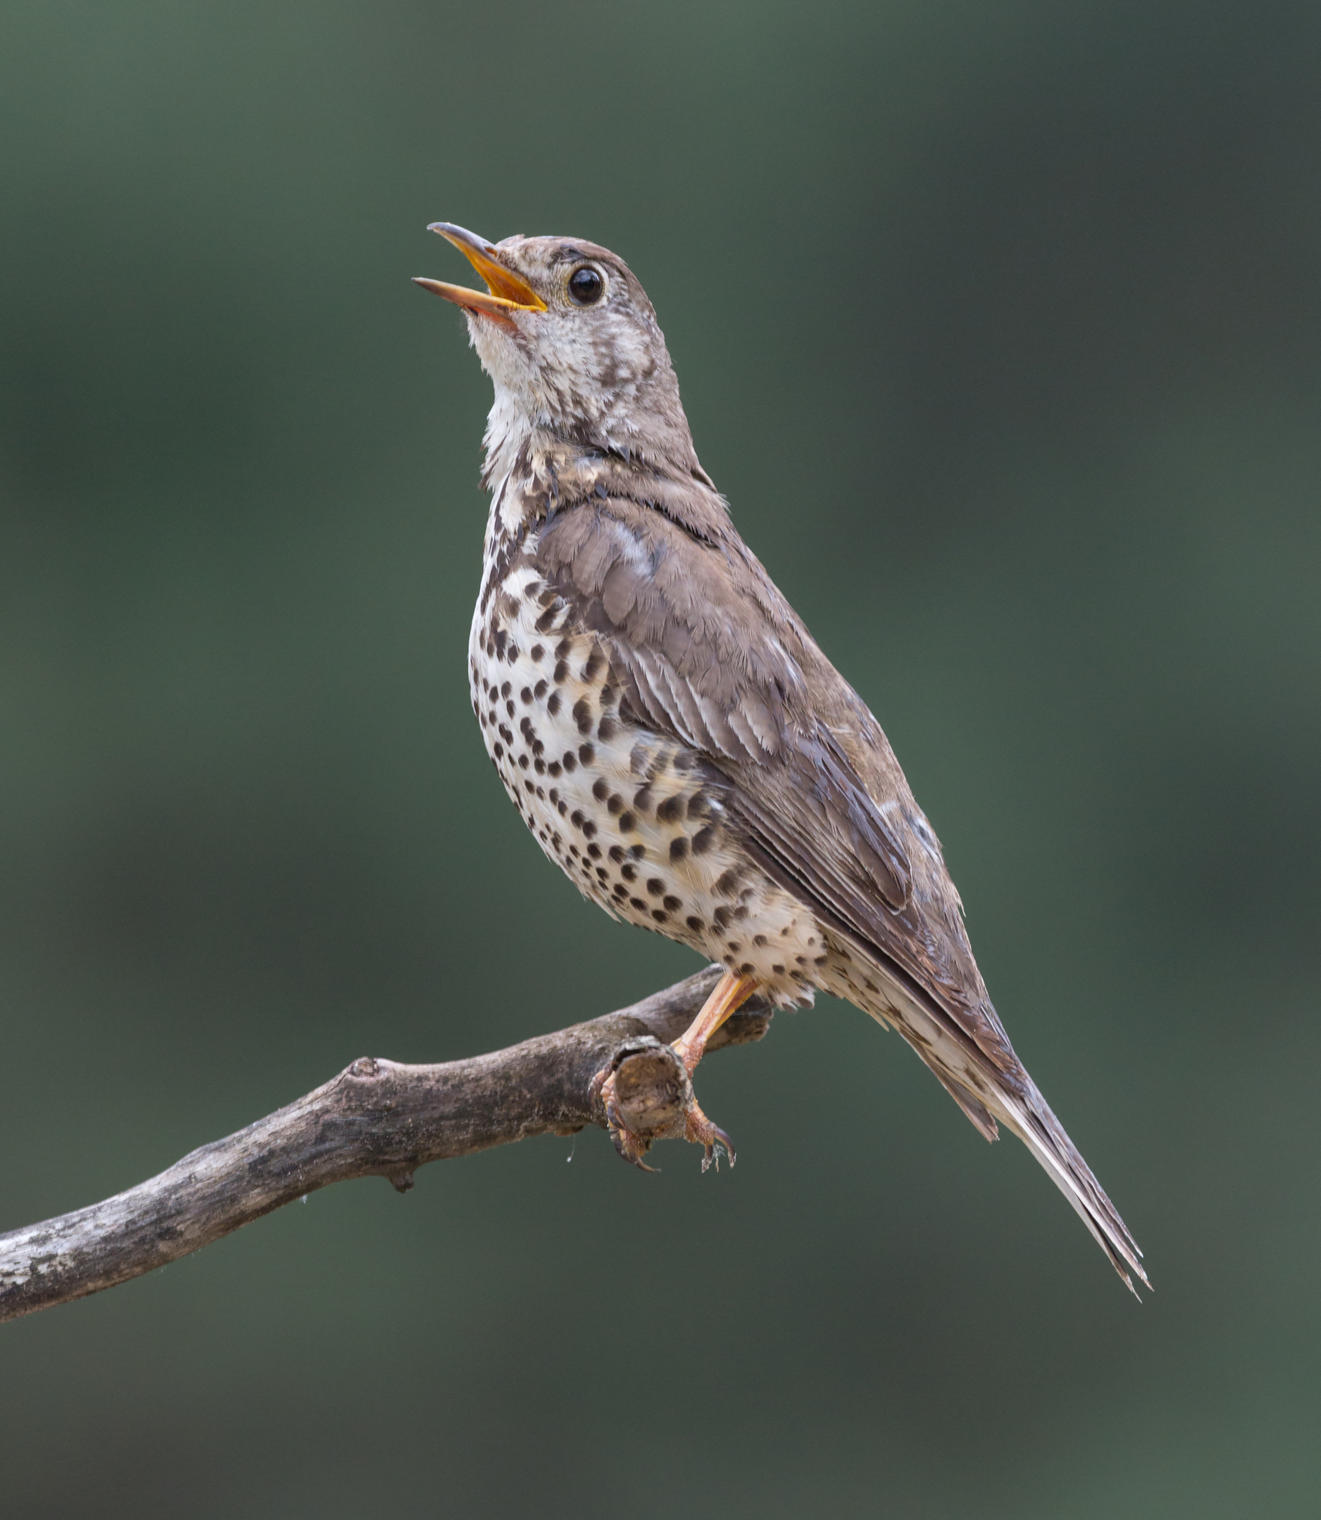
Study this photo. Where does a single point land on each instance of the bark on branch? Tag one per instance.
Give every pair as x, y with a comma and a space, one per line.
376, 1118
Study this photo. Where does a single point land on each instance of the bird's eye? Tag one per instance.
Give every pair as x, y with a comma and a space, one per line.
586, 285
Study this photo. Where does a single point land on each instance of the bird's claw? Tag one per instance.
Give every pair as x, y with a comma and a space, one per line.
632, 1146
699, 1130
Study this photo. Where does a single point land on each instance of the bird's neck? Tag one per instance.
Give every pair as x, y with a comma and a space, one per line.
534, 466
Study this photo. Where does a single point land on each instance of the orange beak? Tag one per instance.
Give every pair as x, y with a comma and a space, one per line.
506, 292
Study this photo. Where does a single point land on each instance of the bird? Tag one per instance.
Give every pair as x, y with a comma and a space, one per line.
669, 730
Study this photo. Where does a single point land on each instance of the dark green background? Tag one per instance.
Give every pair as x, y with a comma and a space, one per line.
997, 324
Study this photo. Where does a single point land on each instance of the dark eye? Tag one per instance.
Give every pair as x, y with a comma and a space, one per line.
586, 285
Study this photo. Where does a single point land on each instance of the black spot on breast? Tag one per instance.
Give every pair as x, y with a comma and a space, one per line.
582, 715
669, 808
678, 848
702, 840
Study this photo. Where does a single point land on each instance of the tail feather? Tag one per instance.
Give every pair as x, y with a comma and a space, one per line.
988, 1091
1031, 1119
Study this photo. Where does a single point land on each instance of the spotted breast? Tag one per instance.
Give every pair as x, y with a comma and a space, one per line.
634, 818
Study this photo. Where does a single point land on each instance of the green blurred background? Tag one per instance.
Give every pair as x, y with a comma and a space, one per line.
997, 326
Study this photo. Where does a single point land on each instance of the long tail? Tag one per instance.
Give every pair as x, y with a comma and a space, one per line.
1031, 1119
988, 1091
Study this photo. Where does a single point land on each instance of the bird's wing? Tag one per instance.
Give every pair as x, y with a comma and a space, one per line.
707, 650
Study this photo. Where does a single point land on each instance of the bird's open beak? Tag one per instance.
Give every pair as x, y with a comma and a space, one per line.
506, 292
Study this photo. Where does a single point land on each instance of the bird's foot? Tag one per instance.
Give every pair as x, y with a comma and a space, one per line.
646, 1094
699, 1130
630, 1145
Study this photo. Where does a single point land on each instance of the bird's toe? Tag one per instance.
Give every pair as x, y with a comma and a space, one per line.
699, 1130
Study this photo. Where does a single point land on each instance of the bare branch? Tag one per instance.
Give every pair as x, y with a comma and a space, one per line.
376, 1118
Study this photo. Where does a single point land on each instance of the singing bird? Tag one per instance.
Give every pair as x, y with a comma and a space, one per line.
670, 731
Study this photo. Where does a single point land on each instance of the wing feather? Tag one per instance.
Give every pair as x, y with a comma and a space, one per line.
705, 649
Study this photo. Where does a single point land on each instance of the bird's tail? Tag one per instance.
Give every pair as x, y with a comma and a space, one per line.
1003, 1091
990, 1088
1030, 1117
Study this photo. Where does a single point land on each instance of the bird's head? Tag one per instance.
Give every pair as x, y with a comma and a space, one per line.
571, 343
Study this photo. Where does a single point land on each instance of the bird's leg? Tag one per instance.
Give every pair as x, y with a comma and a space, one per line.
728, 995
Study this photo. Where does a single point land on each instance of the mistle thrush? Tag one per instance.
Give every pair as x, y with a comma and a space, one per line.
669, 729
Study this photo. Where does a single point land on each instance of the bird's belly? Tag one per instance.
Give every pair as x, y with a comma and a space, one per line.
633, 818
